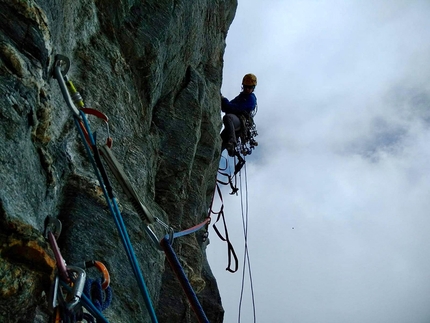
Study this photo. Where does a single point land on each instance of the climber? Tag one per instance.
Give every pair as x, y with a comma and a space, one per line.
241, 106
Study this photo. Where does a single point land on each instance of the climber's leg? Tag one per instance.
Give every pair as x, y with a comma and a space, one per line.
228, 135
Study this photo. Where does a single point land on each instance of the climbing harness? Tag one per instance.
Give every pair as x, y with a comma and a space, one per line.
247, 142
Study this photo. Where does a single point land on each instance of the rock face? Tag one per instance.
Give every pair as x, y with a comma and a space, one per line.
154, 68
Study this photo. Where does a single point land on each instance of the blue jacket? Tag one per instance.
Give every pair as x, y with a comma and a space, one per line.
240, 104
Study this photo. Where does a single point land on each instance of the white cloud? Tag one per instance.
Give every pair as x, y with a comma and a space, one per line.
343, 121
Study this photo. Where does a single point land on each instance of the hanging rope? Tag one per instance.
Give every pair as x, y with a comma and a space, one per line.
244, 212
246, 258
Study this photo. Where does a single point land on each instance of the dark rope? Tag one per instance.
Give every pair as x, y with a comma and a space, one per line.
86, 302
180, 274
100, 298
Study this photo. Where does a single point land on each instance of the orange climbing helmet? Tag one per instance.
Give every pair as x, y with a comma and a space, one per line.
249, 80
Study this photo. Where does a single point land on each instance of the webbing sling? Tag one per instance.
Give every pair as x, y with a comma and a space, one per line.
125, 183
231, 253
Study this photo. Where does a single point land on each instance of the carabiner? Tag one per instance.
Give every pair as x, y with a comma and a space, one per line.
78, 277
53, 294
61, 264
153, 237
60, 75
102, 268
102, 116
52, 225
170, 232
74, 94
61, 60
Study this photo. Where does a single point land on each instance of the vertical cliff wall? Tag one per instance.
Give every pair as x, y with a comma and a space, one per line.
154, 68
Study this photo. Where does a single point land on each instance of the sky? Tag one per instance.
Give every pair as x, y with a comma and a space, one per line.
338, 190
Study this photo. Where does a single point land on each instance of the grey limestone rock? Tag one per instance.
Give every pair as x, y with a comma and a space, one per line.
155, 69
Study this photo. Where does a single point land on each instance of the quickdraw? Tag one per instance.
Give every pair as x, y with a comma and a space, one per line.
125, 183
76, 104
89, 141
71, 94
66, 296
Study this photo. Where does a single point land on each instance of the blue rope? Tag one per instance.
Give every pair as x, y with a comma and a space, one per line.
86, 302
118, 219
93, 290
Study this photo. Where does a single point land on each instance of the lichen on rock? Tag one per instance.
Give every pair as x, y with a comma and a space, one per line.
155, 69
